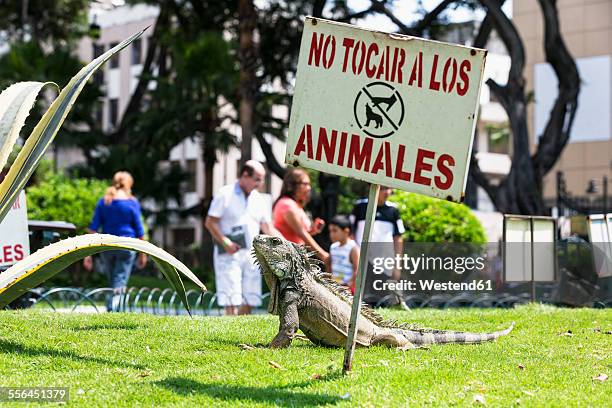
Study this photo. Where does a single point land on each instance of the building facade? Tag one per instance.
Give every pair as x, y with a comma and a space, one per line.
119, 77
586, 27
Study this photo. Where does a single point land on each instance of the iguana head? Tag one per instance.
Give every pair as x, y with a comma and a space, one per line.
275, 255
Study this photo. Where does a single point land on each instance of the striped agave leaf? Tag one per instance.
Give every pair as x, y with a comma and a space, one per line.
43, 134
50, 260
15, 104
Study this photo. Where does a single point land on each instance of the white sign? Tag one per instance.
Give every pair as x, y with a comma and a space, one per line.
517, 249
525, 260
14, 238
599, 236
384, 108
544, 251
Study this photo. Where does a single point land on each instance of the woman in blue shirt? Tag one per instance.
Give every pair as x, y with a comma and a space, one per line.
118, 213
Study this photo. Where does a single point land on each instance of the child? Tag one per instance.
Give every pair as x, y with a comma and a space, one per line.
344, 252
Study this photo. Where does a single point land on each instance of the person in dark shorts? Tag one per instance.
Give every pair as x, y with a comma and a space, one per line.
386, 241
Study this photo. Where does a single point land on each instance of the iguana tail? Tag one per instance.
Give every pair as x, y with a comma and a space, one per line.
425, 336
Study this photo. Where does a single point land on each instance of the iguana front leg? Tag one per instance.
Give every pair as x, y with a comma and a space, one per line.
289, 320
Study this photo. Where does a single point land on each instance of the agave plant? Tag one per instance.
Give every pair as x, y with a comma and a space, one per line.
15, 104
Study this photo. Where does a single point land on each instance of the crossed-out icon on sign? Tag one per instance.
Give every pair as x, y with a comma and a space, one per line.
378, 109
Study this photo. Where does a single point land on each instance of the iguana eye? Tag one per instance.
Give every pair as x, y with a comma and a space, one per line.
276, 241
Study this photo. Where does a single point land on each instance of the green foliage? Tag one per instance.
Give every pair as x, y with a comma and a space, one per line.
128, 359
59, 198
431, 220
350, 191
45, 167
56, 21
30, 61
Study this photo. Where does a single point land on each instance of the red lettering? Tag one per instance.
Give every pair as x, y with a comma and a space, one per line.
433, 84
444, 163
417, 70
6, 252
327, 62
398, 66
18, 252
359, 156
463, 87
323, 144
315, 49
371, 70
421, 166
378, 162
309, 140
388, 168
347, 43
383, 152
362, 53
301, 146
381, 66
343, 137
399, 173
449, 62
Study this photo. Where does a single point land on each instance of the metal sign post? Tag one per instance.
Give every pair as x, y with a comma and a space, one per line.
387, 109
361, 277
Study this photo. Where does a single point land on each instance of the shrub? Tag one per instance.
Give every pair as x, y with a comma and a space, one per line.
431, 220
60, 198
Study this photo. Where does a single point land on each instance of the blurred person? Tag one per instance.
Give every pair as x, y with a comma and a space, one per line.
343, 253
118, 213
386, 236
236, 215
289, 216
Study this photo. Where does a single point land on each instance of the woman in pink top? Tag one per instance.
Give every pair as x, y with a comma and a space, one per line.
288, 213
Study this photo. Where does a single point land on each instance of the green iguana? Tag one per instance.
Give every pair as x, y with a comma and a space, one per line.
308, 299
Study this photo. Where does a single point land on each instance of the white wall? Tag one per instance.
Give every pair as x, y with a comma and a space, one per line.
593, 118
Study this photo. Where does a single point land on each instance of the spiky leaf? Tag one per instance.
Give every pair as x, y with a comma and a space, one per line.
50, 260
37, 144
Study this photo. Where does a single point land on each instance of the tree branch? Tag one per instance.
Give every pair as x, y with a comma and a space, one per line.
360, 14
317, 8
266, 148
484, 31
418, 28
511, 38
557, 131
480, 178
135, 102
379, 6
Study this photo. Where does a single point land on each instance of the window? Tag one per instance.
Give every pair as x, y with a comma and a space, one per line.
137, 52
182, 242
498, 138
592, 121
192, 166
98, 114
98, 49
183, 237
98, 76
113, 112
114, 62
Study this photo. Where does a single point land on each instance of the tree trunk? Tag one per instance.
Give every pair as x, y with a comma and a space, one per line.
521, 191
247, 21
206, 243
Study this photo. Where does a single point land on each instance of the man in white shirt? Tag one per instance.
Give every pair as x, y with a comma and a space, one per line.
236, 215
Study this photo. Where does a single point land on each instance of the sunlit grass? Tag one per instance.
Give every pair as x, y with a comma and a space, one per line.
128, 359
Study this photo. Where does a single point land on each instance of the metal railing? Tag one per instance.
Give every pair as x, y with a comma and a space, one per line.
167, 302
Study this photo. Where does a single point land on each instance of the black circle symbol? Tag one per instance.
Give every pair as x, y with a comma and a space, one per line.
378, 110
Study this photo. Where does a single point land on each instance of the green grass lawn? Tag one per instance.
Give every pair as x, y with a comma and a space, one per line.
129, 359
